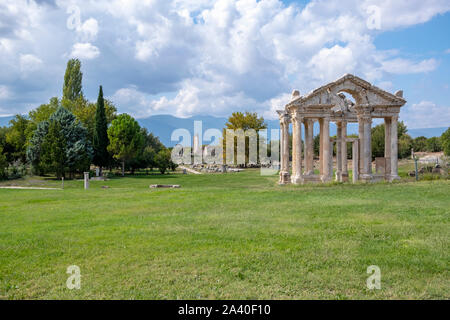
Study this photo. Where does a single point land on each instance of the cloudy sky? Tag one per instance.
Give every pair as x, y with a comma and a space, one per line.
191, 57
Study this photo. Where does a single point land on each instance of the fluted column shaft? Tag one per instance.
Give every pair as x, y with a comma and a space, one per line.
309, 146
284, 148
344, 161
326, 150
394, 148
338, 151
296, 147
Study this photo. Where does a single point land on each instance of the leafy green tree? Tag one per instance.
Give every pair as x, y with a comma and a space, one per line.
85, 111
100, 139
73, 78
445, 141
3, 164
316, 143
378, 141
17, 137
404, 148
244, 121
405, 144
125, 139
163, 160
434, 144
145, 157
420, 144
41, 113
44, 111
53, 148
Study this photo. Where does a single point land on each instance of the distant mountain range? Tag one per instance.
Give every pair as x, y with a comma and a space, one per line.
163, 126
4, 121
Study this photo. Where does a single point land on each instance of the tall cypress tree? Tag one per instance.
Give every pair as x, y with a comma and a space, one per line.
73, 78
101, 156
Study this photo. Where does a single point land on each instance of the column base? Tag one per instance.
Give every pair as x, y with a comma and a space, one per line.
344, 177
298, 179
313, 178
325, 178
366, 177
338, 176
393, 177
284, 178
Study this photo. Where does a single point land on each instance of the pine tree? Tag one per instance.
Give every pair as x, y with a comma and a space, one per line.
54, 150
100, 139
78, 149
73, 78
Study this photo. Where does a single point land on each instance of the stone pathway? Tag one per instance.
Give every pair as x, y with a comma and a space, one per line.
189, 170
29, 188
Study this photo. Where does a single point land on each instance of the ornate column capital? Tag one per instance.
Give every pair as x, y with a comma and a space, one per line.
283, 117
365, 118
308, 121
296, 116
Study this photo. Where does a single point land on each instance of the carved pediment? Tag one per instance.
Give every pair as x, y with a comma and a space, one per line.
362, 91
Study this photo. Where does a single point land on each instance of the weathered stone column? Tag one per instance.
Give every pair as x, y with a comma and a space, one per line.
330, 163
365, 121
387, 148
366, 173
355, 160
326, 176
394, 148
284, 148
297, 120
309, 146
344, 161
367, 148
387, 137
361, 143
339, 151
321, 147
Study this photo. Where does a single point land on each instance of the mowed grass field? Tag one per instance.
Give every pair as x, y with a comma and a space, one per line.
227, 236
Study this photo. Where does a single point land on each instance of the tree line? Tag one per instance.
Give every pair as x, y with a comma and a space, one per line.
66, 136
406, 143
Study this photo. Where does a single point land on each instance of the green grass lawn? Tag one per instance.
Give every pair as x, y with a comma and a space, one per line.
227, 236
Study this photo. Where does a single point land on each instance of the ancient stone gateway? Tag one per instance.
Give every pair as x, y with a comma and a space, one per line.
328, 103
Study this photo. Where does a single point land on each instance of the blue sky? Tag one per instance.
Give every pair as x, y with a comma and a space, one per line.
203, 57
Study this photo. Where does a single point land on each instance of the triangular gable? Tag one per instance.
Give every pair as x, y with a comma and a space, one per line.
362, 91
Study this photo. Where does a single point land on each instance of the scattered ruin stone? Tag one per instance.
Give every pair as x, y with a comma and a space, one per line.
164, 186
98, 179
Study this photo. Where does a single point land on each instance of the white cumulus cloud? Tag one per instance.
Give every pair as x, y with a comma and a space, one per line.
89, 29
29, 64
426, 114
84, 51
187, 57
404, 66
